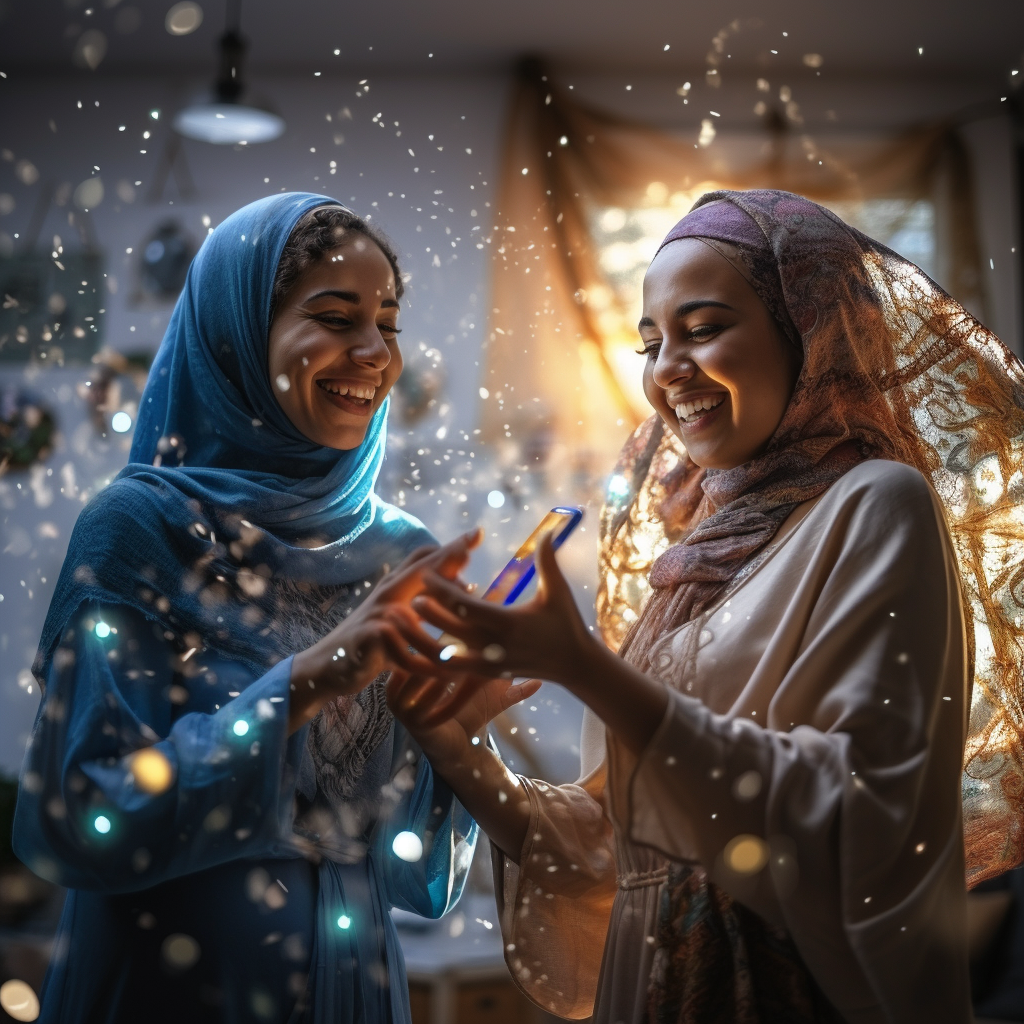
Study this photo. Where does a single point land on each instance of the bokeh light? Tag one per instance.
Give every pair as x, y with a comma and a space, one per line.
344, 921
408, 847
746, 854
152, 771
180, 951
183, 18
102, 630
18, 1000
241, 727
101, 824
495, 499
120, 423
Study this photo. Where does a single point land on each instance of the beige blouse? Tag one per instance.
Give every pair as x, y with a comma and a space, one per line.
809, 759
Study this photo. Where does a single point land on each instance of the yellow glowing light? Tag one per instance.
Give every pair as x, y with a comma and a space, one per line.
152, 771
746, 854
18, 1000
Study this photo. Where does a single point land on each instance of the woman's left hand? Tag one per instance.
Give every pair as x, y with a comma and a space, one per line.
544, 637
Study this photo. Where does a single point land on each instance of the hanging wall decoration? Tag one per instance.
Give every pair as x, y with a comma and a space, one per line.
26, 429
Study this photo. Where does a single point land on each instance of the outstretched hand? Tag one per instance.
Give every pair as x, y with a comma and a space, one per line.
543, 637
381, 633
445, 716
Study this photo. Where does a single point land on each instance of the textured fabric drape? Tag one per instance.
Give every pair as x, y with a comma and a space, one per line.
560, 353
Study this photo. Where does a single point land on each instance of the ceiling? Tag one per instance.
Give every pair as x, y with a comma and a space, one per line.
981, 39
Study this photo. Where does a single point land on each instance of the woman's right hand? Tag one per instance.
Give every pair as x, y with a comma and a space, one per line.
377, 635
448, 717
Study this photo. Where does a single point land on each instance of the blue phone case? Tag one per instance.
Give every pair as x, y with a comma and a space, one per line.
517, 573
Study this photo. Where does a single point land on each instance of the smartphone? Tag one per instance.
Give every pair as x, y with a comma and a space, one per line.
519, 570
515, 577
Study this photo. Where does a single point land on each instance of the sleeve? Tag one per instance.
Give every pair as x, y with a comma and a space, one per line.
426, 878
846, 828
213, 785
555, 904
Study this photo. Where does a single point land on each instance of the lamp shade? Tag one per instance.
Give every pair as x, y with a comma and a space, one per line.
229, 116
228, 123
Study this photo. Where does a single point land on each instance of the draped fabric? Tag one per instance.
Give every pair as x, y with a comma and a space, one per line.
556, 316
893, 368
719, 963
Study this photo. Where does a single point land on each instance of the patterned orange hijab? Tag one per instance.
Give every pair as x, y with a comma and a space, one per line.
893, 368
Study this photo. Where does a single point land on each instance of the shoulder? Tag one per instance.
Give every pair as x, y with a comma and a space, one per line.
882, 487
126, 497
881, 511
133, 509
404, 532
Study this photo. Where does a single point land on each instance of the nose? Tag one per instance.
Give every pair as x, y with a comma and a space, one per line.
673, 365
370, 349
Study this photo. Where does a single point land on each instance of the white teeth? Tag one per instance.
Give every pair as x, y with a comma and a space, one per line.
353, 390
690, 411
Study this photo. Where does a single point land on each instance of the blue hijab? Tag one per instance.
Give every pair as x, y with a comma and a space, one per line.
224, 505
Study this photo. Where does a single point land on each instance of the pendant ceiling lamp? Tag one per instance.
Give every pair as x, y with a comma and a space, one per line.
230, 115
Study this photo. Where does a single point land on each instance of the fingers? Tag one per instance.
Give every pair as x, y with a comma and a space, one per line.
454, 555
549, 575
451, 597
430, 611
415, 556
395, 648
401, 691
517, 693
445, 561
449, 699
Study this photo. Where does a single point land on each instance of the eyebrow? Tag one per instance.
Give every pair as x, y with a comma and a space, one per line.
686, 308
352, 297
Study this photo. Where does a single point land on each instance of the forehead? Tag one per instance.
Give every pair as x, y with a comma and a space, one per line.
689, 265
356, 265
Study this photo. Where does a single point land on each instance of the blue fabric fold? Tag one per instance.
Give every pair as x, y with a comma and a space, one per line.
353, 925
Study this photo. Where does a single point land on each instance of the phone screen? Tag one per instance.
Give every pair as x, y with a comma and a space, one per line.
513, 579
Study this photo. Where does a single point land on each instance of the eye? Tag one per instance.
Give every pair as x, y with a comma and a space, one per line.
332, 319
704, 331
389, 329
650, 350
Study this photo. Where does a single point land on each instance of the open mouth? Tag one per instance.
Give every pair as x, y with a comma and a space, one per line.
692, 411
351, 397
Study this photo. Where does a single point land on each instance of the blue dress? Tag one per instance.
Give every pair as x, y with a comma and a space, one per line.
205, 902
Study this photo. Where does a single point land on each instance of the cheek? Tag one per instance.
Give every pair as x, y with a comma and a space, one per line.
393, 370
655, 396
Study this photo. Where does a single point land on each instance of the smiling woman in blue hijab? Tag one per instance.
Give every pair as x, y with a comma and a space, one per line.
213, 772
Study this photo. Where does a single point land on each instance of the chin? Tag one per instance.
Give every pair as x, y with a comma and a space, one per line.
339, 440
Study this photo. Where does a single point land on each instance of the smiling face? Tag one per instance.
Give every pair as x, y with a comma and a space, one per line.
719, 370
333, 347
